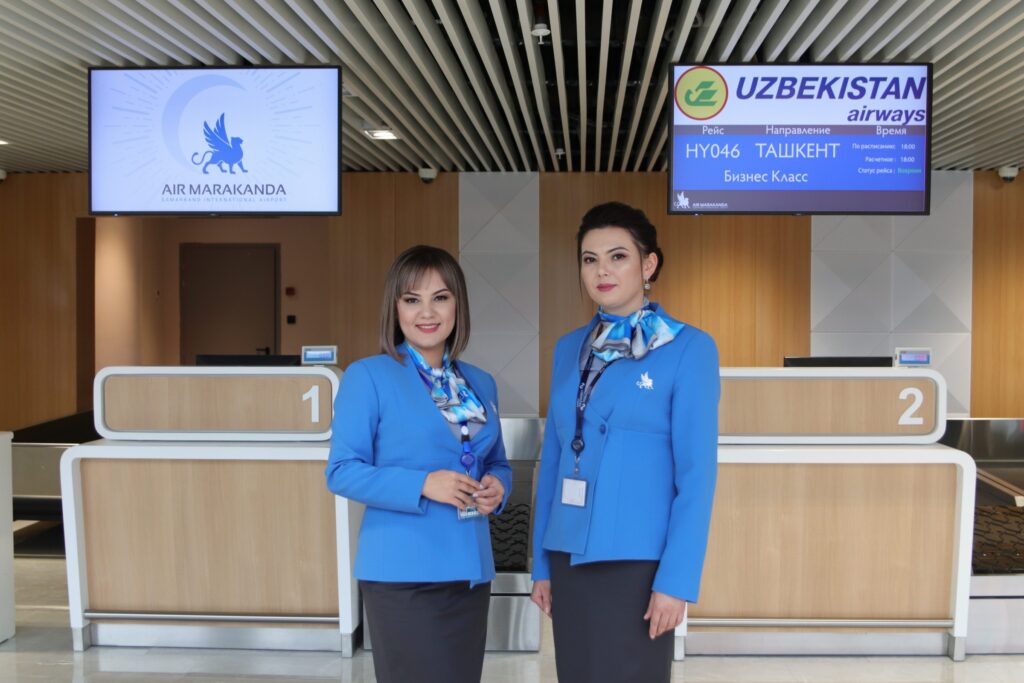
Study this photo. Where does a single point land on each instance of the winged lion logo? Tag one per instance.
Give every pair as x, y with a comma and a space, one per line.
223, 150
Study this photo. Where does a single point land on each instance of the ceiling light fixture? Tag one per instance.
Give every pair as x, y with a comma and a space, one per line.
541, 31
4, 142
375, 132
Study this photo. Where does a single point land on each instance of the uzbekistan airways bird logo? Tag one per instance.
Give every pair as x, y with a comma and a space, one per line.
645, 382
222, 149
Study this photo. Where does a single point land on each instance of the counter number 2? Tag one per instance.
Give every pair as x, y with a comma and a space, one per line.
916, 397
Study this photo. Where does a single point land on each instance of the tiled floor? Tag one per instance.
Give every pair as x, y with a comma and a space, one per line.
41, 652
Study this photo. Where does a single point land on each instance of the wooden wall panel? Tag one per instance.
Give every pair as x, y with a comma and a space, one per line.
997, 336
830, 541
384, 214
427, 213
38, 310
744, 279
227, 537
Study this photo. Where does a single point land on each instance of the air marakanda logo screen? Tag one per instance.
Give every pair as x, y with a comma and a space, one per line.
223, 150
701, 93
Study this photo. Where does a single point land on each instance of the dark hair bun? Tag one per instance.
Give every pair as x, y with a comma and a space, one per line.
619, 215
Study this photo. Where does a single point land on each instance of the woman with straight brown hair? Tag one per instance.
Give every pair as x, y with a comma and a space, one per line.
417, 439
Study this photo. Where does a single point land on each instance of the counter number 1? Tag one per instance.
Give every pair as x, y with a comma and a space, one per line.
313, 396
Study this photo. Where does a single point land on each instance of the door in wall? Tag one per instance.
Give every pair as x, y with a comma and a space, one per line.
229, 299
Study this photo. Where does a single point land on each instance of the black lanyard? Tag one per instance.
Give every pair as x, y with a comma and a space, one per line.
583, 395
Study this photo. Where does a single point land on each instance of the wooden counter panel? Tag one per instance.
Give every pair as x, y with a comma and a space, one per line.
216, 403
830, 542
833, 406
235, 537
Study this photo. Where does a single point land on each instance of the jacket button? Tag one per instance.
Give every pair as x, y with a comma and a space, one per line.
602, 429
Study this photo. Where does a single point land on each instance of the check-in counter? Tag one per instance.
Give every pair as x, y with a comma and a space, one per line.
202, 519
6, 541
839, 525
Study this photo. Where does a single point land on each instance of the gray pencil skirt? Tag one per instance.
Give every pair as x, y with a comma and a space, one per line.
597, 612
427, 632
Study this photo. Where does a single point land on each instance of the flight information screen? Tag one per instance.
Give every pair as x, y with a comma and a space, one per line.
839, 139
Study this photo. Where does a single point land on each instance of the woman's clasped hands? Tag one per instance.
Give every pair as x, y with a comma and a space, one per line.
463, 491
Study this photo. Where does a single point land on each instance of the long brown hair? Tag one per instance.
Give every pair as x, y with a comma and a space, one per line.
411, 266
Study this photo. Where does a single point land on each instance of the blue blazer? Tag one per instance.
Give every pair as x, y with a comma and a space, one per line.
387, 435
650, 461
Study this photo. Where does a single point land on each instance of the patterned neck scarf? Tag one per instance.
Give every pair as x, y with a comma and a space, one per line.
452, 396
634, 335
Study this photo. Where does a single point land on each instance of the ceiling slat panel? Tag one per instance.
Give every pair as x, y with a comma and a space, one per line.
355, 46
379, 46
203, 20
466, 119
509, 34
563, 102
464, 74
713, 17
768, 13
874, 22
655, 118
53, 26
466, 86
900, 41
234, 23
840, 26
581, 65
659, 19
168, 52
814, 26
476, 23
791, 20
154, 25
298, 28
627, 61
895, 26
272, 31
538, 77
732, 30
602, 79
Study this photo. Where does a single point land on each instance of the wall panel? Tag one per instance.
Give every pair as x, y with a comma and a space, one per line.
384, 213
997, 359
38, 310
743, 279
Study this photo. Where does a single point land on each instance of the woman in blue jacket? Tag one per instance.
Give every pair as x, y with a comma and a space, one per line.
628, 467
417, 438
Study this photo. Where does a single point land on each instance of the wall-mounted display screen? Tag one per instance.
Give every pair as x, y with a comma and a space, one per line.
800, 138
215, 140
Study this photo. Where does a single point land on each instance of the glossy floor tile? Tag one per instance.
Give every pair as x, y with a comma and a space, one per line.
41, 653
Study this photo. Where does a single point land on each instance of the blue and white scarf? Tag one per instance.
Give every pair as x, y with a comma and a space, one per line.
633, 336
449, 391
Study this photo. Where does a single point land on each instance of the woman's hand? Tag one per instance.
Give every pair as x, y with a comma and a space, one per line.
664, 612
541, 595
489, 497
446, 486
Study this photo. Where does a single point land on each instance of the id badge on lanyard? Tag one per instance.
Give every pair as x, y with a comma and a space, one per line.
467, 460
574, 488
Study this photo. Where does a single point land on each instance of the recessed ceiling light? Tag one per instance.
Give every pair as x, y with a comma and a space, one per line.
3, 142
380, 133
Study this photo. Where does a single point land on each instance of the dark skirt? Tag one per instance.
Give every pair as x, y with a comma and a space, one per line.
427, 632
597, 612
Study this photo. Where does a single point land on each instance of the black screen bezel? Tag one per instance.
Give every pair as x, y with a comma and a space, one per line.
94, 212
670, 111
